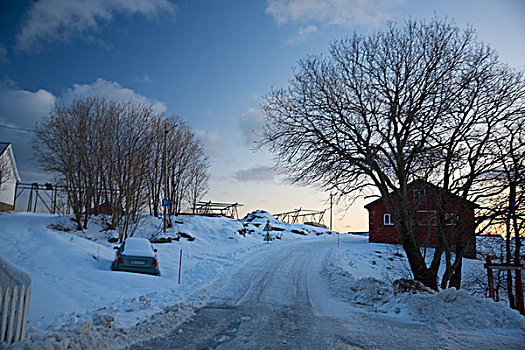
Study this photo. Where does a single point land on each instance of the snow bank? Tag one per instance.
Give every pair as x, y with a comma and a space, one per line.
100, 331
349, 269
458, 309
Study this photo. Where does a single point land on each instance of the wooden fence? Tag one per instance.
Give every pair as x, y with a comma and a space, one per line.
15, 293
517, 267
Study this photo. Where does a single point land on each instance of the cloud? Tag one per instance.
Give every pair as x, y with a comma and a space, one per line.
143, 79
21, 109
211, 140
61, 20
111, 90
261, 174
332, 12
251, 124
302, 34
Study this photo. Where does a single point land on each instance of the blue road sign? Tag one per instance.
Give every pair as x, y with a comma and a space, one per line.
165, 202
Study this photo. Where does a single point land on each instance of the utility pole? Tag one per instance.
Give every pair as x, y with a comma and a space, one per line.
330, 212
331, 206
165, 171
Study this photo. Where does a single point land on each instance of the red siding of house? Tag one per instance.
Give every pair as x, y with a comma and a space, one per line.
381, 233
378, 231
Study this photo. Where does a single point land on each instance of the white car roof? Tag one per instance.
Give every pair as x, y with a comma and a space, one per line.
138, 247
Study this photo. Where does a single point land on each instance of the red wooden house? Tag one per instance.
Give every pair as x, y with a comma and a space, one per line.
424, 197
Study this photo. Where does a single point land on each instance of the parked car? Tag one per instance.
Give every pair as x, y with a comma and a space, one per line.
136, 255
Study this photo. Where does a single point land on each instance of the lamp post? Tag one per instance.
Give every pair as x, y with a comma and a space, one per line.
165, 172
165, 202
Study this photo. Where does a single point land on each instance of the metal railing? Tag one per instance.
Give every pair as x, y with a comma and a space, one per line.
15, 293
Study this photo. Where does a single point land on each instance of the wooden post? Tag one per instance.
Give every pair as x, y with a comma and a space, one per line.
36, 196
5, 308
180, 264
55, 200
11, 321
14, 199
26, 313
30, 200
519, 287
20, 314
491, 279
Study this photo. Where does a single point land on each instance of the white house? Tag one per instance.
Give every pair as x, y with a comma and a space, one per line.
8, 177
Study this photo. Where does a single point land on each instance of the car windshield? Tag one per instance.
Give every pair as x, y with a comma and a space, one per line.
138, 247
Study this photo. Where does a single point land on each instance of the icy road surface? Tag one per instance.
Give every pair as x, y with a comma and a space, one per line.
279, 300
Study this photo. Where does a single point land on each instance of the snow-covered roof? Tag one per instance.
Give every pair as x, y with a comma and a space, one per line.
138, 247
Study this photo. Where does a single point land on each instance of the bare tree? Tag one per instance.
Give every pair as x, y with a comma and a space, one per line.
510, 176
96, 148
131, 151
112, 152
198, 179
179, 160
187, 168
155, 166
61, 146
187, 165
419, 101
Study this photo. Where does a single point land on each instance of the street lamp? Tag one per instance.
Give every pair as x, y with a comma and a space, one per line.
165, 201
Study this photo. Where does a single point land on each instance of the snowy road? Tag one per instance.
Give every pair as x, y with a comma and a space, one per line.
279, 300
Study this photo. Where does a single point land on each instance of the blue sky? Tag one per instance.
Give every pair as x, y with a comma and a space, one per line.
209, 61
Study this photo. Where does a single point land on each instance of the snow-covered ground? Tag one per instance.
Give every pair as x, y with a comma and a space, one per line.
78, 301
73, 287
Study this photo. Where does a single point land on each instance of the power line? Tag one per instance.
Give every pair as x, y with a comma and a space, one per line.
16, 128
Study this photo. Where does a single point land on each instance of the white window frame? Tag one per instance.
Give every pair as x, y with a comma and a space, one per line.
389, 221
451, 219
419, 194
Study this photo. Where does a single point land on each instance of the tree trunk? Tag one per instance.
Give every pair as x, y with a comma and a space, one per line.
455, 279
508, 253
417, 264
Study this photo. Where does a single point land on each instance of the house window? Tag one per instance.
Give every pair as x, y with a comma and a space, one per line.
427, 217
387, 219
419, 194
451, 219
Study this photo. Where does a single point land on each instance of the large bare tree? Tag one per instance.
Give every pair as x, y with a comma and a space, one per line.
423, 100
